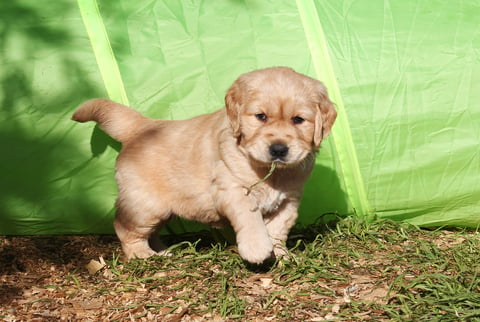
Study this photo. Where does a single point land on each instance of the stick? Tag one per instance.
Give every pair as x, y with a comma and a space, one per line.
272, 168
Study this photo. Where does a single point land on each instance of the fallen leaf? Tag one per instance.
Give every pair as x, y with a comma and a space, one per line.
317, 319
377, 295
335, 308
94, 266
266, 282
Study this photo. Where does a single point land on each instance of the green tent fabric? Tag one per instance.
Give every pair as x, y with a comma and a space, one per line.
404, 75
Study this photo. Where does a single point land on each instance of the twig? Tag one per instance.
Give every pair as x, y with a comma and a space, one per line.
272, 168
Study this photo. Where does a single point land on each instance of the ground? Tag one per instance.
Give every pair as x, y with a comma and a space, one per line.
349, 271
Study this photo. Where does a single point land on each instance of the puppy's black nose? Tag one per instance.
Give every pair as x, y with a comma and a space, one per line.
278, 150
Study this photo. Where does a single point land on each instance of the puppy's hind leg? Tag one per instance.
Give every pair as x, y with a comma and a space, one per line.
157, 245
139, 238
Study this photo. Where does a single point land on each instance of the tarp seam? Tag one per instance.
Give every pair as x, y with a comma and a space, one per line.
341, 133
102, 50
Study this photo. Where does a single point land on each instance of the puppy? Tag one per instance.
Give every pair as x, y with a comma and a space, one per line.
202, 168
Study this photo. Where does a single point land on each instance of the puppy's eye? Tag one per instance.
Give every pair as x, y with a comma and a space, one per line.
261, 117
297, 120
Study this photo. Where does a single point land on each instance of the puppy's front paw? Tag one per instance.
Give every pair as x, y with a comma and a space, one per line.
256, 251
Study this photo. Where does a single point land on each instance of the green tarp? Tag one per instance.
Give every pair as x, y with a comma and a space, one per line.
405, 76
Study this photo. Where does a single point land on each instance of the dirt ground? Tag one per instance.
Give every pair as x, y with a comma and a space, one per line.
34, 275
52, 278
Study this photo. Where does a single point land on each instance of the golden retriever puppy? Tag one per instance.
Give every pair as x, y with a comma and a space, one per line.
204, 168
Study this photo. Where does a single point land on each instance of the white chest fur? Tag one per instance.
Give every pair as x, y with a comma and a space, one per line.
267, 200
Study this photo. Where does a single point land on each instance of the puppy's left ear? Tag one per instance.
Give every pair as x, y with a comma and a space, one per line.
325, 116
233, 104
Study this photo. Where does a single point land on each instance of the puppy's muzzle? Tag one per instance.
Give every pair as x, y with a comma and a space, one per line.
278, 151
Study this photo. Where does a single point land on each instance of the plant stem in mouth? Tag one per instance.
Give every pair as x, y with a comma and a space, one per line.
272, 168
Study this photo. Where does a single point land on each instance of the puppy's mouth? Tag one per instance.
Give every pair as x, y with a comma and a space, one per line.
282, 154
279, 161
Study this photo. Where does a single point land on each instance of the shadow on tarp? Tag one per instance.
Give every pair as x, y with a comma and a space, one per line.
47, 185
40, 80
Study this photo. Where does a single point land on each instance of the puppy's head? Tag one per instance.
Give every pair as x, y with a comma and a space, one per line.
279, 115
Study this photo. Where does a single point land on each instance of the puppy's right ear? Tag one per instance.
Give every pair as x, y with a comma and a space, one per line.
233, 103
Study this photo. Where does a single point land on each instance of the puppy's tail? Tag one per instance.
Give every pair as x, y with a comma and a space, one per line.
117, 120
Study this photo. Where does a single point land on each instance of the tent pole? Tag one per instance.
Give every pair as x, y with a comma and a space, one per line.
341, 133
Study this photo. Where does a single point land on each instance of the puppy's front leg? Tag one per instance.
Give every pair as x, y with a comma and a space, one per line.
279, 225
254, 244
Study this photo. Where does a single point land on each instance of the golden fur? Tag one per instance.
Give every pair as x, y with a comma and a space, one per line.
201, 168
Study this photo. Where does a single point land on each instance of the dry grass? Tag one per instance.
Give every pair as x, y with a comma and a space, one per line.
351, 271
